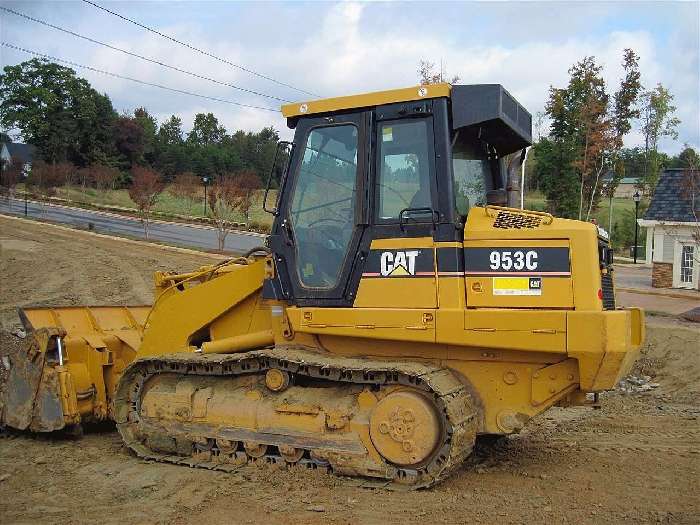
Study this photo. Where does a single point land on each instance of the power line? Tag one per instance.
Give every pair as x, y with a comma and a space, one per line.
152, 60
115, 75
193, 48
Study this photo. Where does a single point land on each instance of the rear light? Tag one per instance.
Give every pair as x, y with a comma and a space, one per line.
600, 294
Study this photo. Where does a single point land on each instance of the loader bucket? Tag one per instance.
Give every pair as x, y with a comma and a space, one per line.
32, 393
71, 361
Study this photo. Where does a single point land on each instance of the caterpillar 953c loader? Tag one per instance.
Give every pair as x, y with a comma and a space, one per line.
399, 309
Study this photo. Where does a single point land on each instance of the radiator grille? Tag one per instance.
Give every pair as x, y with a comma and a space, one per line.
516, 221
608, 291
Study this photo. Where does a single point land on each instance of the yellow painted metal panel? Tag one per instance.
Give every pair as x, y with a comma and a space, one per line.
557, 292
580, 236
605, 344
390, 292
363, 100
375, 323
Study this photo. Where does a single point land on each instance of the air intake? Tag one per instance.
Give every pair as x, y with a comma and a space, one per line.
510, 219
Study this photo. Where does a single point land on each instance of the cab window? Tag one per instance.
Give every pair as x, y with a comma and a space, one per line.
323, 204
405, 170
471, 167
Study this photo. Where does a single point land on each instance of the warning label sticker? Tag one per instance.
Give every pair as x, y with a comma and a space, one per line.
517, 286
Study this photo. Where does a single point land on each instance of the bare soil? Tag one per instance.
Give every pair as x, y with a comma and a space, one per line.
637, 459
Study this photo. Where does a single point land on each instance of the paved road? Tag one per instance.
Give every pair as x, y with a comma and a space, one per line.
109, 223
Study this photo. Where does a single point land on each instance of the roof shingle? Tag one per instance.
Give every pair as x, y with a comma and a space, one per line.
671, 201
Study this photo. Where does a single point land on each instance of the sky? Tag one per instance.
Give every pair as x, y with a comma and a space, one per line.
333, 49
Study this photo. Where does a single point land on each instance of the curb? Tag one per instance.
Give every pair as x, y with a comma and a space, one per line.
659, 294
120, 239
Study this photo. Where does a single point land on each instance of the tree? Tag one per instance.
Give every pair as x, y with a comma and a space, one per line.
688, 158
103, 177
223, 196
45, 178
10, 175
55, 110
657, 122
146, 187
690, 189
245, 187
129, 141
206, 130
427, 74
170, 132
186, 187
626, 109
150, 129
585, 135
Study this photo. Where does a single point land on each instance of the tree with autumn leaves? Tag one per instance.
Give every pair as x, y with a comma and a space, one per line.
230, 196
146, 187
586, 136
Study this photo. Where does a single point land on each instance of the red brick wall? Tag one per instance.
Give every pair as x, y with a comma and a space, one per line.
662, 275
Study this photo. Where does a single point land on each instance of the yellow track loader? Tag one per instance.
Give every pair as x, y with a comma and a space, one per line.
399, 308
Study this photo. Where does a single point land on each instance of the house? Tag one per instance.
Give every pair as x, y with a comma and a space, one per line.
673, 231
12, 152
626, 187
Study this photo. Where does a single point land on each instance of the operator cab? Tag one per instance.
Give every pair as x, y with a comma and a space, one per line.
405, 164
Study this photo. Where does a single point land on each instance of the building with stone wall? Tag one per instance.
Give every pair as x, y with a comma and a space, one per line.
673, 230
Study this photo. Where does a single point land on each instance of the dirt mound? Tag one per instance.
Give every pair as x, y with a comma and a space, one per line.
692, 315
9, 345
671, 357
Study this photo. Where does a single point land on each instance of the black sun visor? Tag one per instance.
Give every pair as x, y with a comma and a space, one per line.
504, 123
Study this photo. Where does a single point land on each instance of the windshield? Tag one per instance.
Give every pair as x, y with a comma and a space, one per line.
472, 172
323, 204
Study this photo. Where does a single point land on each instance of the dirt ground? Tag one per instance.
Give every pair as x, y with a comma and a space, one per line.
637, 459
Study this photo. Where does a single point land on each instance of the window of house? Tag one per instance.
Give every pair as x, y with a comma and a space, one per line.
687, 264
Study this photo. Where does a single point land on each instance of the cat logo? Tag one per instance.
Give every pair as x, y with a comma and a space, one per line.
394, 264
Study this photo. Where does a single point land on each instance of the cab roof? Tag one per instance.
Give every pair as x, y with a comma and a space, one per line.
376, 98
500, 119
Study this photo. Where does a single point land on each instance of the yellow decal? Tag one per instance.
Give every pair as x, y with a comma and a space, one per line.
517, 286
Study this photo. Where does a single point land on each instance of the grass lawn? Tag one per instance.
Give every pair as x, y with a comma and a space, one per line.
535, 200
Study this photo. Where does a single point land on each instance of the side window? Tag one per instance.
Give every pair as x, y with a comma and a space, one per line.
472, 173
405, 167
323, 204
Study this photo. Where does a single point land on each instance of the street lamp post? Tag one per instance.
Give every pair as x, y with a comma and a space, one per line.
637, 197
205, 181
26, 176
610, 209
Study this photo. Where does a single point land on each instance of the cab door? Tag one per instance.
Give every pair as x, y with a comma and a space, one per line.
400, 268
319, 224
